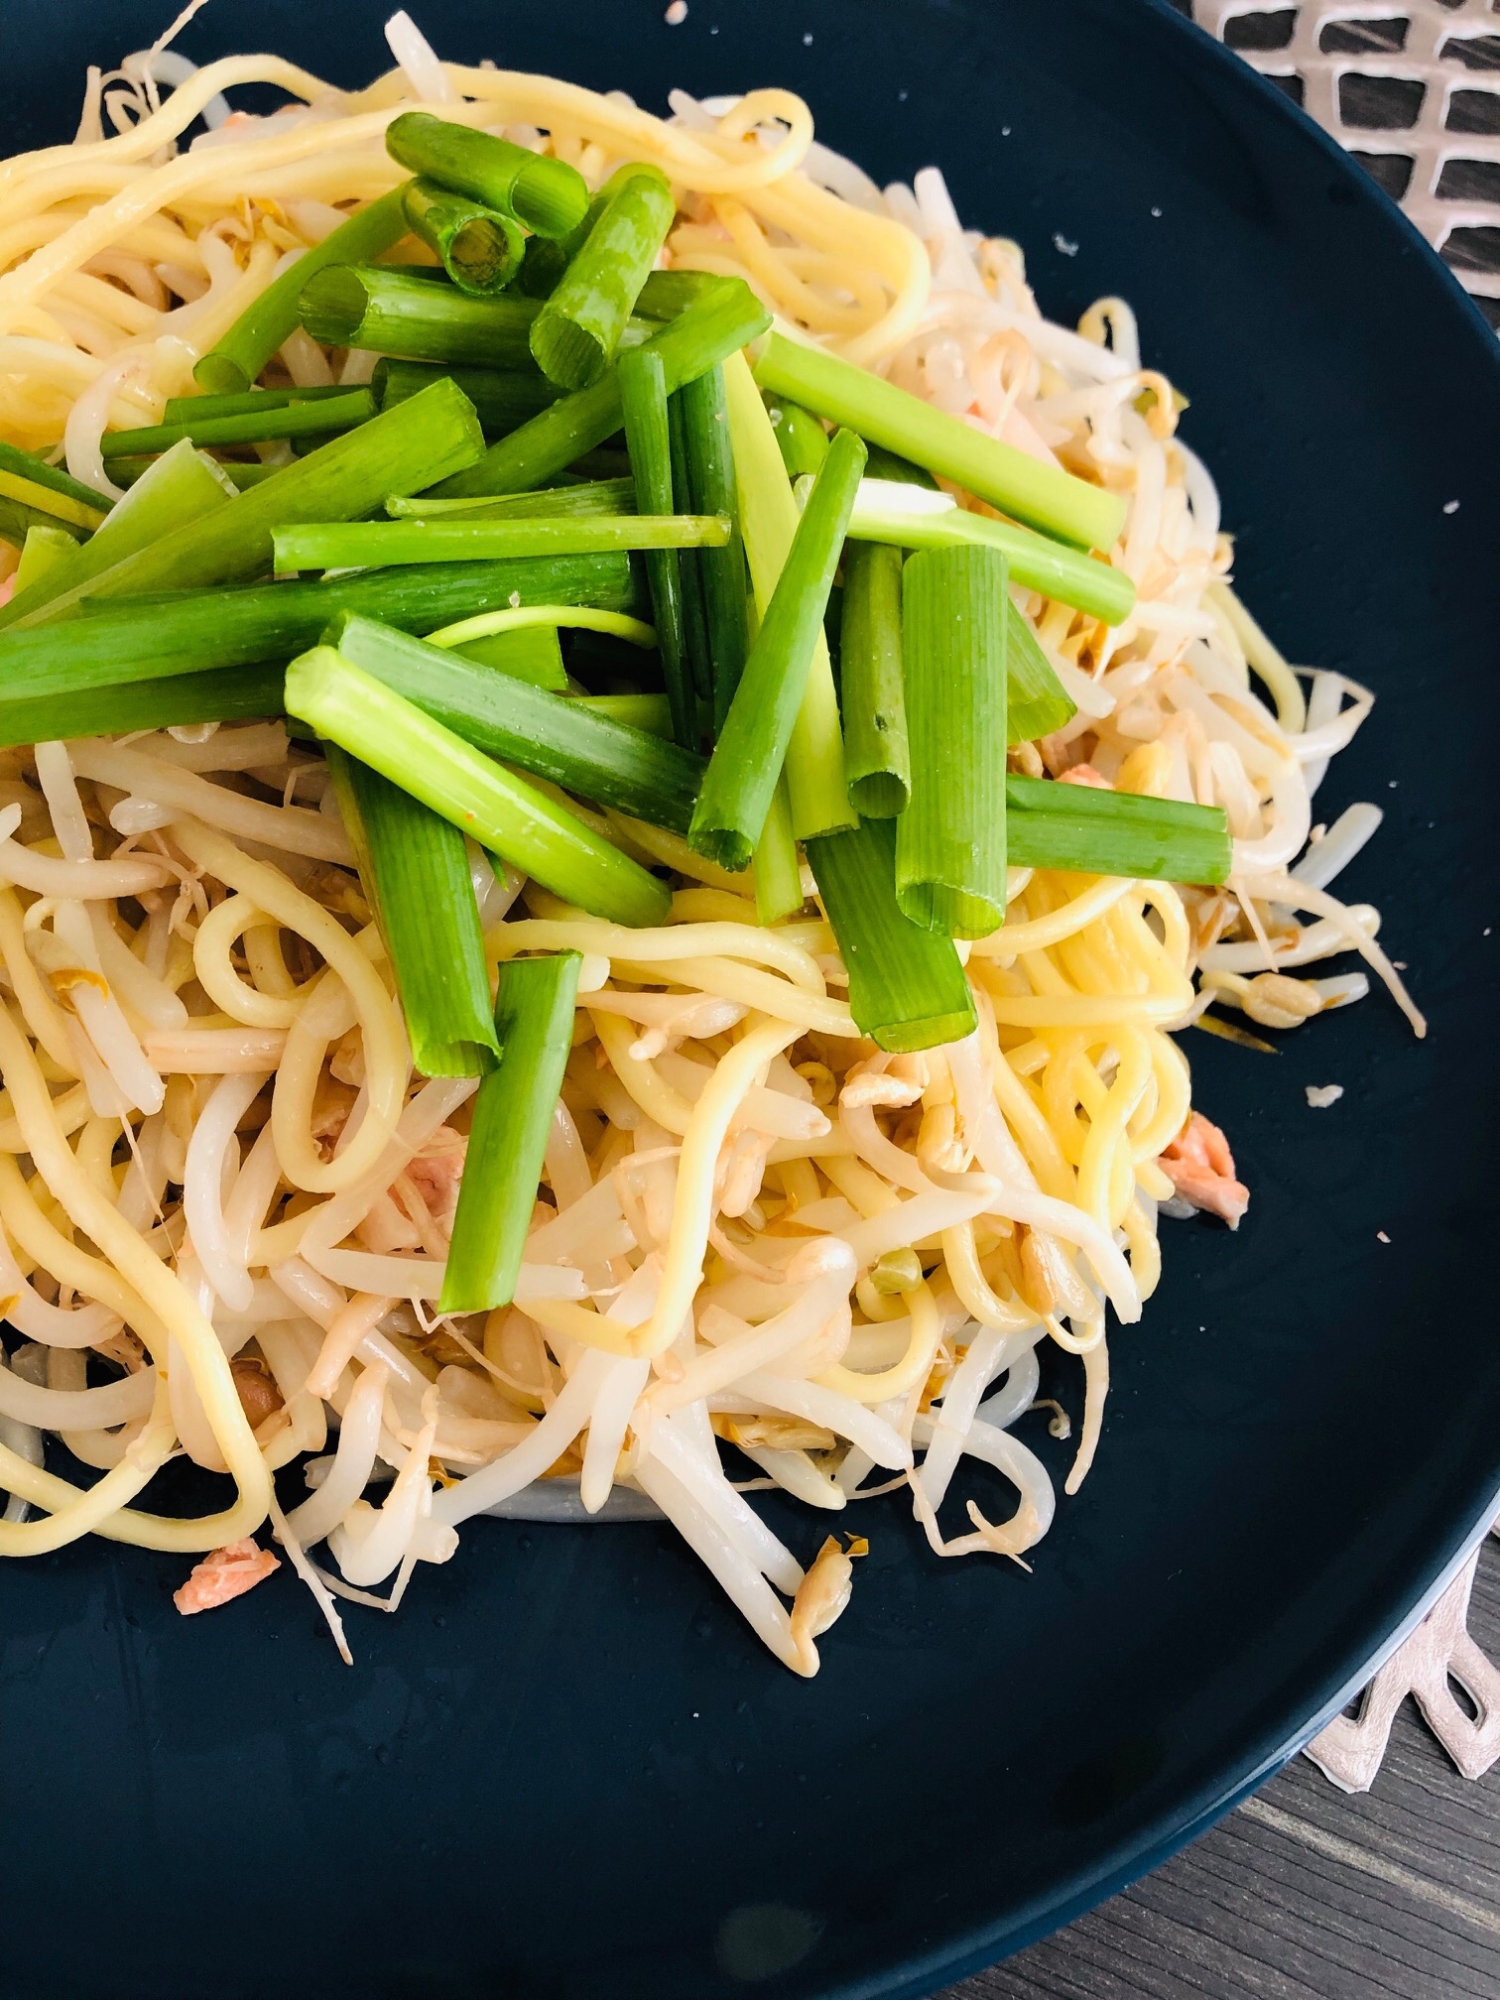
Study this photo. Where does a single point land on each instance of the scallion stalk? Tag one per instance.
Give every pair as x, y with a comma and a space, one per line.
530, 653
549, 196
768, 521
1037, 702
504, 398
587, 496
587, 618
415, 871
950, 841
574, 336
372, 544
883, 513
907, 989
277, 420
26, 465
480, 248
547, 734
1093, 832
709, 454
502, 812
24, 503
752, 746
513, 1108
778, 871
232, 364
393, 312
44, 548
716, 325
78, 676
694, 620
1041, 495
399, 451
224, 694
876, 755
643, 398
802, 440
192, 409
181, 486
649, 712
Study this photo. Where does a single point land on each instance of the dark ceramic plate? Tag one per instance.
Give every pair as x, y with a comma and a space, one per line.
566, 1769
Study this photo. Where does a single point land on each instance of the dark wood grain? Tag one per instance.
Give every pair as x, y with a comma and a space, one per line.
1304, 1893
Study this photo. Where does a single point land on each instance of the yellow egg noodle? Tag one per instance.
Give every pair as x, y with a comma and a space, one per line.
218, 1171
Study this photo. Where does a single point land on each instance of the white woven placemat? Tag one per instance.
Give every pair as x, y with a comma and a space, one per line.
1413, 91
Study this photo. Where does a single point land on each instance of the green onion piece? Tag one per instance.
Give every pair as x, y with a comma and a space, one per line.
1040, 495
694, 619
1093, 832
233, 363
900, 471
502, 812
549, 735
368, 544
481, 249
882, 514
906, 986
278, 420
802, 440
533, 653
643, 395
588, 496
239, 475
51, 675
503, 398
396, 452
180, 487
720, 322
768, 520
665, 294
950, 841
549, 196
25, 503
392, 312
1037, 702
876, 755
226, 694
778, 872
191, 409
415, 871
575, 335
709, 453
26, 465
752, 745
634, 631
44, 548
534, 1004
650, 712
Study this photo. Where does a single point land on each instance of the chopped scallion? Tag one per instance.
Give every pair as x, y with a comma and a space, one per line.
1037, 702
585, 496
503, 398
371, 544
802, 439
481, 249
277, 420
549, 196
193, 409
393, 312
575, 335
643, 398
1093, 832
876, 757
709, 455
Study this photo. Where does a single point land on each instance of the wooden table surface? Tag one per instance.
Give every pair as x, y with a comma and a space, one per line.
1304, 1893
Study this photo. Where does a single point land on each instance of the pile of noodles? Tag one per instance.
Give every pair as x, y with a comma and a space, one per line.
218, 1173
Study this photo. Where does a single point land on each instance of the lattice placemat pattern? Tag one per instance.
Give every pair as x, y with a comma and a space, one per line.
1411, 88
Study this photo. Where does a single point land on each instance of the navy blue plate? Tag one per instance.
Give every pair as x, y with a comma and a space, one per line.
566, 1769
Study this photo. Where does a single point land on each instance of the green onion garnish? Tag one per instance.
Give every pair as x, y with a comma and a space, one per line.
396, 452
801, 438
180, 486
1041, 495
233, 363
394, 312
44, 548
514, 618
549, 196
503, 398
370, 544
587, 496
548, 734
25, 503
768, 520
534, 1003
192, 409
1093, 832
26, 465
752, 745
575, 335
224, 694
876, 755
643, 398
277, 420
480, 248
893, 512
502, 812
82, 676
1037, 701
950, 841
531, 653
415, 871
778, 871
694, 619
650, 712
906, 986
716, 325
708, 452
